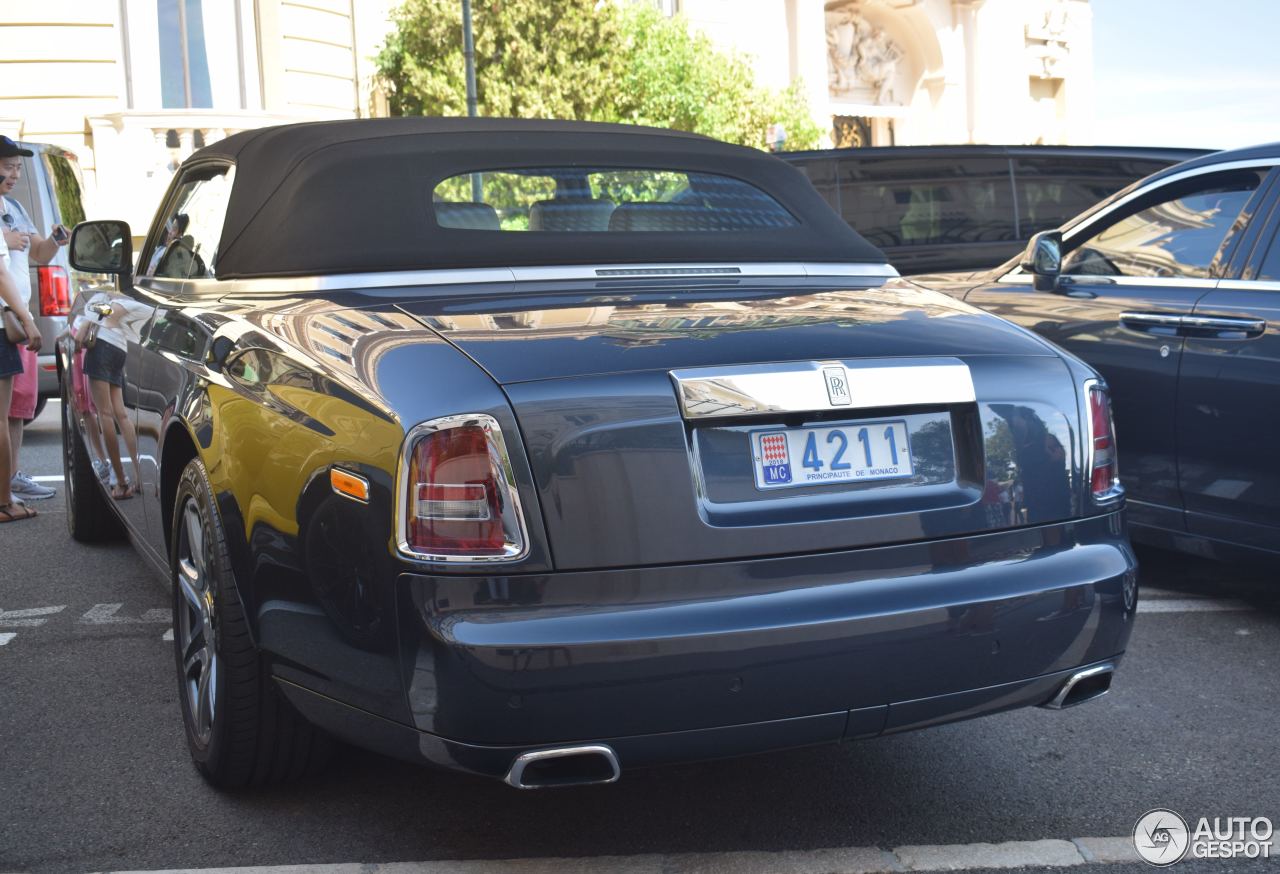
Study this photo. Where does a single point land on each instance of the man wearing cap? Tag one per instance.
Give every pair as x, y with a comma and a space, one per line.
24, 245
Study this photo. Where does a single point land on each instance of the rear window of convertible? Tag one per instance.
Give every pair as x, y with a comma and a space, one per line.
604, 200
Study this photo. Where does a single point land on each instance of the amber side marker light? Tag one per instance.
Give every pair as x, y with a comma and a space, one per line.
349, 485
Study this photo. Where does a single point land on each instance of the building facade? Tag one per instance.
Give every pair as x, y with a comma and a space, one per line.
134, 86
918, 72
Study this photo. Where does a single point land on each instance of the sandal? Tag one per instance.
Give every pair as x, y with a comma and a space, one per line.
15, 512
122, 491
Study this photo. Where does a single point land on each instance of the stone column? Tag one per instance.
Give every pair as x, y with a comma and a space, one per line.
808, 47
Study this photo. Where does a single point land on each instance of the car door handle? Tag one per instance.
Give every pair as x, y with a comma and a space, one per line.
1151, 322
1225, 325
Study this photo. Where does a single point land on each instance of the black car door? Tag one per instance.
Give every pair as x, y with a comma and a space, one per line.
176, 277
1131, 273
1229, 395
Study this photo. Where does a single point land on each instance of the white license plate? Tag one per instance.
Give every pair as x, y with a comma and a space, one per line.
852, 452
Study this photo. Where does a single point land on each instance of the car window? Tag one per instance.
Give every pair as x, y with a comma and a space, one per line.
1053, 189
186, 245
600, 199
1270, 269
926, 200
65, 176
1176, 236
822, 176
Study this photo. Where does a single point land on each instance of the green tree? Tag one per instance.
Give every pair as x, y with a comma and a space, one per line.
534, 59
587, 60
676, 78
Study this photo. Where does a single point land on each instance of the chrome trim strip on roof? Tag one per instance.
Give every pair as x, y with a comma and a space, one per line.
807, 386
474, 275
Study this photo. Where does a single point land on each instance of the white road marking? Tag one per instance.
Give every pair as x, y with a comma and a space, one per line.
7, 636
834, 860
168, 635
105, 614
1191, 605
25, 618
49, 479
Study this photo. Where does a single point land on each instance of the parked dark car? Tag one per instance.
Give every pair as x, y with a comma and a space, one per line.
1171, 289
541, 450
50, 191
948, 208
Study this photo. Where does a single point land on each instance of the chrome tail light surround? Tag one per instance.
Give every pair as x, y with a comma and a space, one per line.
515, 539
1102, 470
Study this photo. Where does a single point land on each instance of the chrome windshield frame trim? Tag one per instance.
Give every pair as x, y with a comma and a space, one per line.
512, 550
490, 275
1070, 231
802, 387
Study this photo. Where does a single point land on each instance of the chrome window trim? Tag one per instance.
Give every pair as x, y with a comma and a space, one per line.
512, 550
483, 275
1249, 285
801, 387
1075, 230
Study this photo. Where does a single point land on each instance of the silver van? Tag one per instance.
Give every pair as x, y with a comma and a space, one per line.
51, 191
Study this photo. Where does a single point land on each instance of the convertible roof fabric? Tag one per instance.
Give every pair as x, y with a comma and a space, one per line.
356, 196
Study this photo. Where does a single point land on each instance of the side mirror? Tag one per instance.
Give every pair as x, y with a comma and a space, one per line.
1043, 260
103, 247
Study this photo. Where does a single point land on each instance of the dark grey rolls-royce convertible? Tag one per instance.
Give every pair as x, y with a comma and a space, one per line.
546, 450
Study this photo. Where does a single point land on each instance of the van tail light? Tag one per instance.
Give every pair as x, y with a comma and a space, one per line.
458, 496
1104, 475
55, 291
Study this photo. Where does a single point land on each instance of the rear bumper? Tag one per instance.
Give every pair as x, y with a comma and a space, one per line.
704, 661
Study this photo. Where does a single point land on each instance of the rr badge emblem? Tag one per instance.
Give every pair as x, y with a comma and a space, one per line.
837, 380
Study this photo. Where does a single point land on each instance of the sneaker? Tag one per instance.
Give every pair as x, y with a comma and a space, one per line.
102, 469
28, 489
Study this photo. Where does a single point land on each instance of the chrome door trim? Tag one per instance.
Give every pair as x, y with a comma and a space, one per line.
1160, 320
806, 386
487, 275
1226, 323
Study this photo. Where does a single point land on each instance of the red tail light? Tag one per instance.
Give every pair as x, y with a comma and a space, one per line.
1104, 476
458, 499
55, 291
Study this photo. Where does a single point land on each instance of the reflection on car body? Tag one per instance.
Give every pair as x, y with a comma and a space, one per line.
478, 489
1171, 288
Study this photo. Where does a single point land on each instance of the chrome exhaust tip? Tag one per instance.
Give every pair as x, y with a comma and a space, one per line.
1082, 686
564, 766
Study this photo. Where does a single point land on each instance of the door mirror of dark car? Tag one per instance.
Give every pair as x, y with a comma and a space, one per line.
1043, 260
103, 247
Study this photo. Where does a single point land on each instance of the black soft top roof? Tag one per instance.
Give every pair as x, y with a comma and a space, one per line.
355, 196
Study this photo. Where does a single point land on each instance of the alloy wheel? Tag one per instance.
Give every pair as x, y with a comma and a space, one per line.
196, 634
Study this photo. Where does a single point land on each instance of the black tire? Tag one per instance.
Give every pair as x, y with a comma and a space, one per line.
251, 736
90, 519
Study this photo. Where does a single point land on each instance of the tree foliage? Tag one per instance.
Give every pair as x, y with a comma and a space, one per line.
586, 60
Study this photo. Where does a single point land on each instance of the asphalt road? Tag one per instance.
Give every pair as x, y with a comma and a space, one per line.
94, 773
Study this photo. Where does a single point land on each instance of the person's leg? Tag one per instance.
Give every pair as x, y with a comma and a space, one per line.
15, 441
10, 511
125, 424
101, 390
22, 409
6, 459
